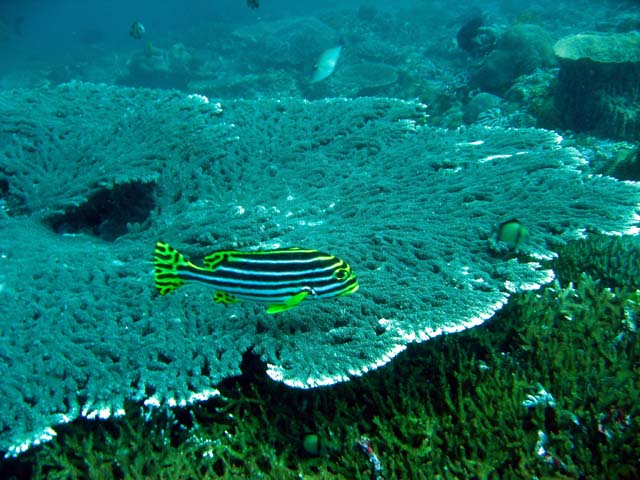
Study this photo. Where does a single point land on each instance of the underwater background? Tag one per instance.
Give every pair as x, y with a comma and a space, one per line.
476, 164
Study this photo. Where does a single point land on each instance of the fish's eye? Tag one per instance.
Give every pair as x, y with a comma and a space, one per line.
341, 274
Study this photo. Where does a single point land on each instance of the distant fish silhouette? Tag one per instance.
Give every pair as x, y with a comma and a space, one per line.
137, 30
326, 64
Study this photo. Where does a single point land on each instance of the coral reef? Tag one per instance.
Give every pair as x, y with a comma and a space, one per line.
613, 260
256, 174
556, 365
364, 79
475, 38
104, 379
274, 83
157, 68
505, 117
478, 104
597, 84
491, 111
290, 42
534, 94
519, 51
95, 167
622, 161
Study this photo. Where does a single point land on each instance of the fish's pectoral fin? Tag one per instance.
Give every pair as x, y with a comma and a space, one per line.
288, 304
225, 298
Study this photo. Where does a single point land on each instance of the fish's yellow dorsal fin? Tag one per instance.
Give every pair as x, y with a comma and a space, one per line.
288, 305
214, 259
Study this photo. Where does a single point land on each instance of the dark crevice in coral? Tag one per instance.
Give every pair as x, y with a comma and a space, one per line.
108, 212
11, 204
253, 370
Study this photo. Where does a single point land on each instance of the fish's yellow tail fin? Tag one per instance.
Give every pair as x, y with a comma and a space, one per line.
167, 262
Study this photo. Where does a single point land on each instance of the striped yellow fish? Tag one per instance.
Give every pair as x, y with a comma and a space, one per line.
280, 278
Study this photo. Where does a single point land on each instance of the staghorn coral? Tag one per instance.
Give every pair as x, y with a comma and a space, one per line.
455, 406
613, 260
411, 207
583, 349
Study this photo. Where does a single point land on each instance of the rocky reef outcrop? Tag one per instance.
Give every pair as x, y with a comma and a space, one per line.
519, 51
598, 84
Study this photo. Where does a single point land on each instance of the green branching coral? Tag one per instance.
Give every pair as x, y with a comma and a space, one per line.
614, 260
584, 347
413, 208
464, 406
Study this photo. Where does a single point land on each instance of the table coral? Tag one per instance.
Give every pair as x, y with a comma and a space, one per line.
412, 208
